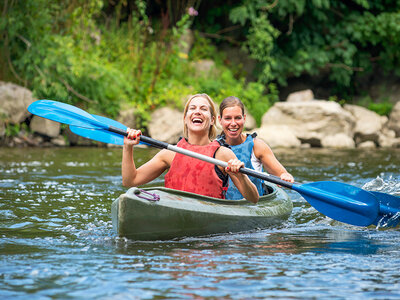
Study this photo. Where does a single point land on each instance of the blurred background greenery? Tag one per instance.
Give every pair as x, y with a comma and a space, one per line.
103, 54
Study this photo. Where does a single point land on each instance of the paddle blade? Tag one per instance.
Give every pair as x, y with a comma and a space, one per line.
64, 113
101, 135
341, 202
389, 206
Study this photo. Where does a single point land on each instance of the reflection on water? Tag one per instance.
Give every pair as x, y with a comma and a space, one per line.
56, 238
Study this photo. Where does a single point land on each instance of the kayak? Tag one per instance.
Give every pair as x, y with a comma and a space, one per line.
160, 213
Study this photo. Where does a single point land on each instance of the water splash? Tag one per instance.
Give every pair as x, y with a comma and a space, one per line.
390, 185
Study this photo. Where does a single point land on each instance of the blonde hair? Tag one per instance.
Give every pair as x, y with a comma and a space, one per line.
212, 133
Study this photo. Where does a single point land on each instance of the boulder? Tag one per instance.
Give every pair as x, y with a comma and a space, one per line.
127, 117
301, 96
278, 136
186, 42
311, 121
368, 123
250, 123
45, 127
14, 101
203, 66
394, 119
387, 138
166, 124
339, 140
366, 145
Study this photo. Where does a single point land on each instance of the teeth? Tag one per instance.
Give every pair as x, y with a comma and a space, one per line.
234, 129
197, 120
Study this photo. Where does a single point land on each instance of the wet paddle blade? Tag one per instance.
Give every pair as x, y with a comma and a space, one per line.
101, 135
64, 113
389, 215
341, 202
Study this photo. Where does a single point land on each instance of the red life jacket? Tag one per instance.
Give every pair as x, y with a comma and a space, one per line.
193, 175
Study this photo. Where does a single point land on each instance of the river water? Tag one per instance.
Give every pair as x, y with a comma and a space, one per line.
57, 242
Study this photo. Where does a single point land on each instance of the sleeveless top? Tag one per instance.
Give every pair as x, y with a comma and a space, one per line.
245, 153
193, 175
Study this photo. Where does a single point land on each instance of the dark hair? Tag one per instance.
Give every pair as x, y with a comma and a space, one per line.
229, 102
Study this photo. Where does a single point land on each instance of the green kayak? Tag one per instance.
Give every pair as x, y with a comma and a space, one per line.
160, 213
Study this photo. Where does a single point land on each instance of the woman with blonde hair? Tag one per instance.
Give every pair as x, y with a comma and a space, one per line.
186, 173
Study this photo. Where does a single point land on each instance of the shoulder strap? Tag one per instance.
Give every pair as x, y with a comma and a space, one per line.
221, 140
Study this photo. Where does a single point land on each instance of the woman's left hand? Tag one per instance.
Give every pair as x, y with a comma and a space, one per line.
233, 166
287, 177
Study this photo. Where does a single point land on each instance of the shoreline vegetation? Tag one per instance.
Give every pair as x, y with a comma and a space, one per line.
299, 122
136, 61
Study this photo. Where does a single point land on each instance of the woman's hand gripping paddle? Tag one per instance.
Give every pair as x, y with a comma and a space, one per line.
339, 201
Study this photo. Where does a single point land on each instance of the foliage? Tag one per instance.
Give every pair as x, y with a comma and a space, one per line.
382, 108
66, 51
332, 39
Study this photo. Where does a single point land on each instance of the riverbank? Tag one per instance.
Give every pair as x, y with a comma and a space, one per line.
299, 122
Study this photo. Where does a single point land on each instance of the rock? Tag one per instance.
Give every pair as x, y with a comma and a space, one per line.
394, 119
76, 140
301, 96
368, 123
250, 122
14, 101
166, 124
311, 121
45, 127
366, 145
2, 129
278, 136
127, 117
59, 141
387, 138
186, 42
339, 140
203, 66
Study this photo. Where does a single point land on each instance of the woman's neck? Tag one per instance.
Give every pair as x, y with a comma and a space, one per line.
237, 141
200, 140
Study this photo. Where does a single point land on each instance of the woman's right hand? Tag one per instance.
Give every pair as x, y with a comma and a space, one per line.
133, 137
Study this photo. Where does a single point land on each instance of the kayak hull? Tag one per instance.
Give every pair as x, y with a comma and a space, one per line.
179, 214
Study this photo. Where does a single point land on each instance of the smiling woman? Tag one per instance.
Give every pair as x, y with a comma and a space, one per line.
252, 151
187, 173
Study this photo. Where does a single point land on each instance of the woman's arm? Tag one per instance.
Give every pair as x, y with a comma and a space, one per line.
241, 181
271, 164
147, 172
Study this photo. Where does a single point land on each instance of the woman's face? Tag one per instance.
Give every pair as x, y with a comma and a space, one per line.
198, 116
232, 121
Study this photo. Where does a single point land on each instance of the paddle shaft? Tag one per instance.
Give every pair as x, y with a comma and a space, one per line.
164, 145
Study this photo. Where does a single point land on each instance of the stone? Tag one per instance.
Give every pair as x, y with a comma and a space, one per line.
394, 119
45, 126
301, 96
339, 140
311, 121
14, 101
278, 136
368, 123
166, 124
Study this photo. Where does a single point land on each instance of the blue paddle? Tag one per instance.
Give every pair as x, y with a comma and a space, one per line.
339, 201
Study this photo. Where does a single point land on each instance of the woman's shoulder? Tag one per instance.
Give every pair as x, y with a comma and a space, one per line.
224, 153
166, 156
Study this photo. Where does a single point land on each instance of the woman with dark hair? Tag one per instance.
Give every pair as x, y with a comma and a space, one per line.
255, 153
186, 173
